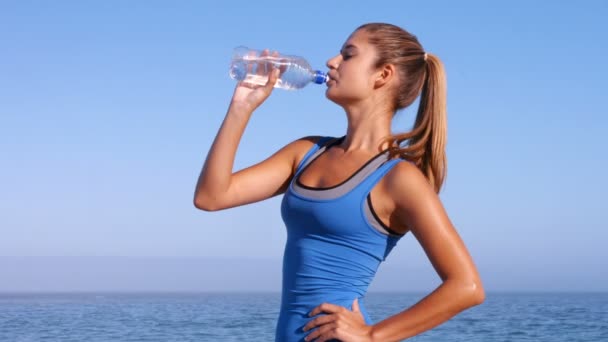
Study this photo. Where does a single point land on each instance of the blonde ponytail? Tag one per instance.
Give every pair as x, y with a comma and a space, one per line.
420, 74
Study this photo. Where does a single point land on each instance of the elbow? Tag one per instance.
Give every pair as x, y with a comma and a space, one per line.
474, 293
205, 204
479, 295
202, 206
468, 293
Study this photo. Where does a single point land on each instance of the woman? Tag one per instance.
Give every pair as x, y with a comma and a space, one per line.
348, 200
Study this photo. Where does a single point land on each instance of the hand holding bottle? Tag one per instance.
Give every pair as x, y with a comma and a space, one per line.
252, 66
250, 95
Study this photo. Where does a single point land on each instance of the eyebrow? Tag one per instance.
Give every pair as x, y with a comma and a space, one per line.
349, 46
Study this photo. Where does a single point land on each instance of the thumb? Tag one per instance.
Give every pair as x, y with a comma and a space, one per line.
356, 305
272, 78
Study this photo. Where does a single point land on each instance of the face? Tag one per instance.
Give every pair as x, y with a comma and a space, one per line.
352, 72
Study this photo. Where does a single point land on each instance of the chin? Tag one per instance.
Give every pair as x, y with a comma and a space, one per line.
331, 95
334, 96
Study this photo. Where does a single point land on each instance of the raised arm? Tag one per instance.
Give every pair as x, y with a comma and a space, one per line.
218, 187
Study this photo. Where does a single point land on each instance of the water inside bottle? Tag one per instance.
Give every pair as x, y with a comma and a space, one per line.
257, 73
261, 80
244, 66
252, 69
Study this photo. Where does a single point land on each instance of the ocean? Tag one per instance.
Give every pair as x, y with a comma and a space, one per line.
251, 317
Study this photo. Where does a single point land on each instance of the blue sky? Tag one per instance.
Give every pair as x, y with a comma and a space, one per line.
108, 108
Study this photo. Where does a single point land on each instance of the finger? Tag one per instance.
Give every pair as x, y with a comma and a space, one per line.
324, 331
356, 305
272, 79
251, 55
319, 321
261, 68
268, 64
271, 63
246, 84
283, 65
326, 307
332, 334
279, 62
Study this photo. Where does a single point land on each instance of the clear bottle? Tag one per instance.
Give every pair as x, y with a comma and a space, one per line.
250, 66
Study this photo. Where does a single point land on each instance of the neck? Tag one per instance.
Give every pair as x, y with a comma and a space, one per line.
368, 126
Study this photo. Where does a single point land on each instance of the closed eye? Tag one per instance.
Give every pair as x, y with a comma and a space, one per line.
347, 50
346, 56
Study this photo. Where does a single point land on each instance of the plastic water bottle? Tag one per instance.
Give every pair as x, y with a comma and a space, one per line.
250, 66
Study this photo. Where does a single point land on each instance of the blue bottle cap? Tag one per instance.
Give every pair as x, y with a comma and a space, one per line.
320, 77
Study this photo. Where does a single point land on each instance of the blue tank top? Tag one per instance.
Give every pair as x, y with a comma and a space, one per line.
335, 242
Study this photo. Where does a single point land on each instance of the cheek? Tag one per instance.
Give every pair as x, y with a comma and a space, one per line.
359, 79
359, 84
353, 84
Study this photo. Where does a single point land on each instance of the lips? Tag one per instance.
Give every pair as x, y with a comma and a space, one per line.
330, 79
332, 76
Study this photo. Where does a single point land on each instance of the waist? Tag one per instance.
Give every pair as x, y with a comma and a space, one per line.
296, 297
295, 309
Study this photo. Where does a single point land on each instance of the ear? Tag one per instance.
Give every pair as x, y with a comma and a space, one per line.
385, 75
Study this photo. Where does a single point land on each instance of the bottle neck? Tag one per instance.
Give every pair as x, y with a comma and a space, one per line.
320, 77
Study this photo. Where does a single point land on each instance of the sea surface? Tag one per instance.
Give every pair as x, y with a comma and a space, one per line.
252, 316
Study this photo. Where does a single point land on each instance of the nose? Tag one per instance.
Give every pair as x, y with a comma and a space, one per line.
333, 62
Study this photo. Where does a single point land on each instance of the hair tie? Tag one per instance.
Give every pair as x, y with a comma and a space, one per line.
425, 56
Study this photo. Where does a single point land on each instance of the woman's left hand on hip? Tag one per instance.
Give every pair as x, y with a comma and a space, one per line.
339, 323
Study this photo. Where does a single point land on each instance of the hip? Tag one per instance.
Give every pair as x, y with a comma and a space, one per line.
294, 316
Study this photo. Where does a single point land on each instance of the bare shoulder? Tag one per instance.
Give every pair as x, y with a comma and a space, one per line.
305, 142
415, 202
407, 174
407, 185
299, 147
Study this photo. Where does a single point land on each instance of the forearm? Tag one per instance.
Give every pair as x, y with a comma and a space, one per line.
439, 306
215, 175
